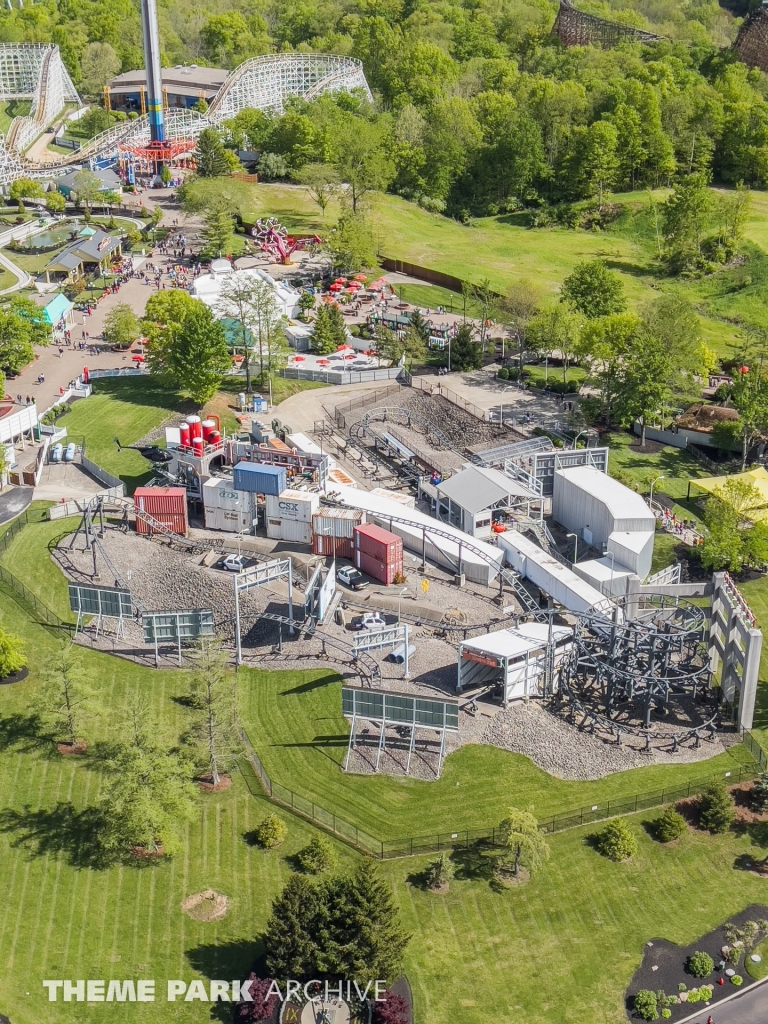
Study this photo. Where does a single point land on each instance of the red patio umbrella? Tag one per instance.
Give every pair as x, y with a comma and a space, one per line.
335, 287
323, 362
138, 358
298, 359
350, 356
360, 277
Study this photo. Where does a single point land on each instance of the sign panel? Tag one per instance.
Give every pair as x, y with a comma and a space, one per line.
400, 708
109, 601
181, 625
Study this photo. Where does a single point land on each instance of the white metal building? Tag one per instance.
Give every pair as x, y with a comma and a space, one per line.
468, 499
606, 515
513, 660
207, 288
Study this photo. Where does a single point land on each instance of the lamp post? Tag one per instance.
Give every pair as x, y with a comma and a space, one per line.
653, 483
575, 546
399, 598
578, 436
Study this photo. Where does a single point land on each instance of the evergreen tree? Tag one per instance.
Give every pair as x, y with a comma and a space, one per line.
466, 353
289, 938
323, 335
523, 840
373, 919
337, 326
716, 809
617, 841
217, 230
147, 800
760, 792
209, 155
65, 698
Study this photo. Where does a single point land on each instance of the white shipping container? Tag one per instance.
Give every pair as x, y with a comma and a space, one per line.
336, 522
295, 506
218, 492
289, 530
228, 520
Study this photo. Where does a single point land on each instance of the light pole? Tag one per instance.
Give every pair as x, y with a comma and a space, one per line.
653, 483
578, 436
399, 597
575, 546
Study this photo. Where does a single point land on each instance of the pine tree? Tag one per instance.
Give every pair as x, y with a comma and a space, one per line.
289, 937
466, 354
217, 231
64, 699
209, 155
760, 792
522, 839
337, 325
323, 337
716, 809
373, 918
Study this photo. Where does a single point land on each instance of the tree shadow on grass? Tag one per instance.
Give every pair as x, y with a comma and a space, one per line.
59, 830
476, 864
24, 732
311, 684
225, 960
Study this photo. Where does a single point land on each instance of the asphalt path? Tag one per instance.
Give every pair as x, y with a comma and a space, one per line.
13, 502
749, 1007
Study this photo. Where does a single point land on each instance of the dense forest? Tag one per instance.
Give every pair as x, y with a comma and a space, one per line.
478, 109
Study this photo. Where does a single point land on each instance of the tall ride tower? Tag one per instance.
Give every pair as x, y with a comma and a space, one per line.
151, 34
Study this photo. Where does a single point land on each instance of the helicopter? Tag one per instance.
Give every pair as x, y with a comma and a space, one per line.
149, 451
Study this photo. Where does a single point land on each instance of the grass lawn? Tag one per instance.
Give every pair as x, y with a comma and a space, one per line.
127, 408
10, 109
638, 468
539, 375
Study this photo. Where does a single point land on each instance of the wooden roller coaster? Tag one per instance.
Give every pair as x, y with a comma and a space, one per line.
752, 41
574, 28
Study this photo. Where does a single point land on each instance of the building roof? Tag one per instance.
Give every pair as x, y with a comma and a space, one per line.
516, 643
109, 180
620, 501
57, 308
478, 487
182, 78
64, 261
758, 478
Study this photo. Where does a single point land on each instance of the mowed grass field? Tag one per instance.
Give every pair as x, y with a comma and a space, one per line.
563, 947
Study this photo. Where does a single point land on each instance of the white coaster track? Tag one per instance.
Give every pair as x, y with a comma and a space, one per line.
35, 72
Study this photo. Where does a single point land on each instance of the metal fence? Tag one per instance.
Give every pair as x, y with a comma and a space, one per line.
387, 849
340, 376
341, 411
41, 611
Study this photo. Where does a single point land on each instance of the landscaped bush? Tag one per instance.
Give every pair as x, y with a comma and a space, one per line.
759, 793
666, 1014
271, 832
617, 840
700, 965
646, 1004
716, 809
503, 373
11, 658
737, 980
669, 826
317, 856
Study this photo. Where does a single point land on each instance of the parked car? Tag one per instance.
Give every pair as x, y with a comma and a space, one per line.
371, 620
56, 452
352, 577
69, 452
233, 563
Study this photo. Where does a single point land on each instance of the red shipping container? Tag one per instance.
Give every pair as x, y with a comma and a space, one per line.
338, 547
384, 572
166, 505
379, 544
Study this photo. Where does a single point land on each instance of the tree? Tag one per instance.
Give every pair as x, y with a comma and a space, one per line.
65, 698
733, 536
593, 290
605, 346
16, 349
406, 348
251, 301
306, 302
209, 155
361, 160
597, 164
121, 325
750, 397
87, 187
55, 202
372, 917
317, 856
439, 873
759, 795
326, 336
392, 1009
262, 1003
290, 938
218, 230
214, 702
616, 841
97, 120
554, 331
321, 182
685, 213
670, 826
271, 832
518, 307
186, 344
522, 840
240, 299
466, 354
25, 188
147, 800
98, 65
11, 656
716, 808
350, 245
273, 167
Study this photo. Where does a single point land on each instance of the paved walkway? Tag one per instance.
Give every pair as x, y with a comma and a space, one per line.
749, 1007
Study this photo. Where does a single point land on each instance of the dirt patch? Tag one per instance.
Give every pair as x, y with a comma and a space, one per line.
439, 890
510, 880
207, 905
207, 785
72, 749
14, 677
144, 854
742, 795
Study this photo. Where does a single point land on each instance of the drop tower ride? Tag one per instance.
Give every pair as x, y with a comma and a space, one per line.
151, 34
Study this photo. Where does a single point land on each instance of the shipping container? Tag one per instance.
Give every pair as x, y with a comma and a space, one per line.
407, 500
384, 572
219, 495
337, 522
292, 530
166, 505
297, 506
378, 543
259, 478
229, 520
333, 547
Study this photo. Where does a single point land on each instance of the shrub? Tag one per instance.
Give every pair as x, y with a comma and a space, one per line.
737, 980
666, 1014
682, 987
700, 964
617, 841
11, 658
503, 373
439, 873
717, 812
693, 996
392, 1009
669, 826
760, 792
271, 832
646, 1005
317, 856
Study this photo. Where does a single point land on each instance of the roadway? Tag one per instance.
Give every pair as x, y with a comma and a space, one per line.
749, 1007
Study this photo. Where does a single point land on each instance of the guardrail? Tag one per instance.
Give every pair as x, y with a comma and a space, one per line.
341, 376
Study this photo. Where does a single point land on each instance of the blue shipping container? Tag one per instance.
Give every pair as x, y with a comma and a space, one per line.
259, 478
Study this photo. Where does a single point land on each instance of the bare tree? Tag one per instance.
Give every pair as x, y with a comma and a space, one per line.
214, 701
64, 697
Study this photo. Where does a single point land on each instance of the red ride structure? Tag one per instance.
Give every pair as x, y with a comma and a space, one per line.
274, 240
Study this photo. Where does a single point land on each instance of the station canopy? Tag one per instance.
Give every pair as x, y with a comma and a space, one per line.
758, 478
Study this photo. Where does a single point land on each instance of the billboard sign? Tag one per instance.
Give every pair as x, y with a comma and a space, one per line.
114, 602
